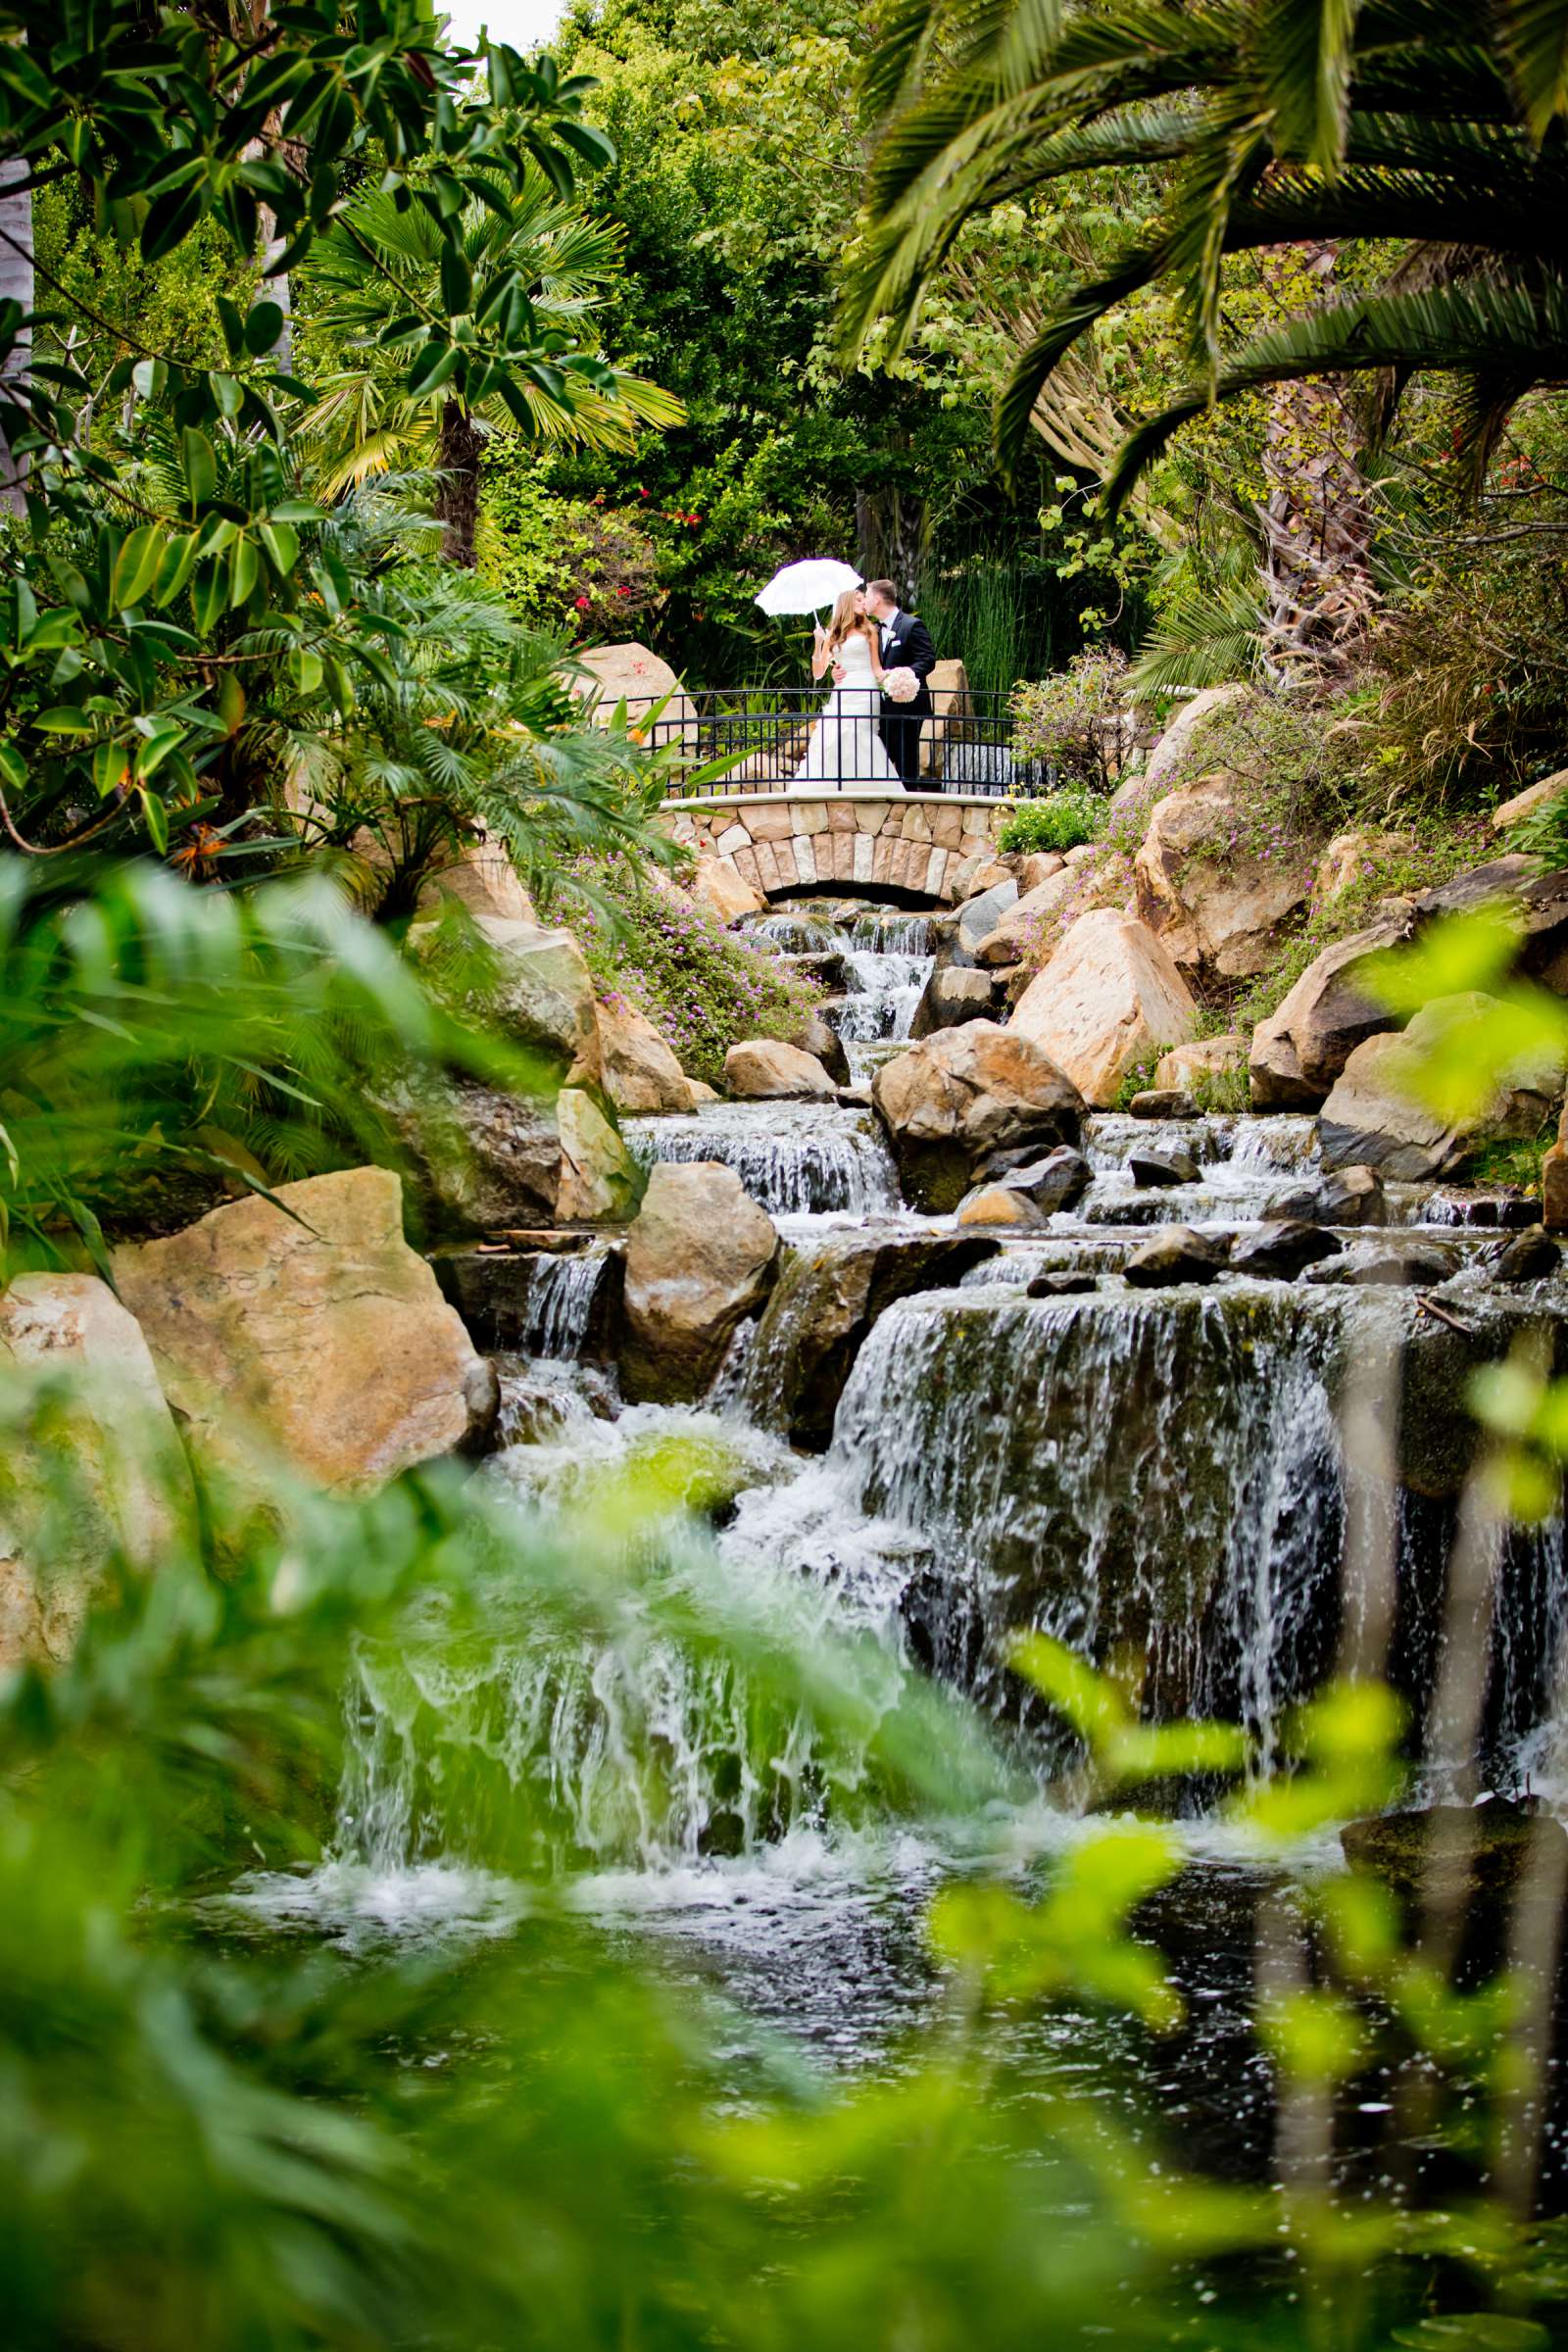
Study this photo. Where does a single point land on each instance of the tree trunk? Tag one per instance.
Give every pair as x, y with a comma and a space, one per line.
456, 499
890, 537
1317, 526
15, 286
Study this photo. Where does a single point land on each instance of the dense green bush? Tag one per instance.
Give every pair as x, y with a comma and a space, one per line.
1059, 820
651, 947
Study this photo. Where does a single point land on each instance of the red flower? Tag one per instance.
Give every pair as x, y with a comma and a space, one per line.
583, 603
623, 592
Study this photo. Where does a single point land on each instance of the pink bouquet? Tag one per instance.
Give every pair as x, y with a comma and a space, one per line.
901, 685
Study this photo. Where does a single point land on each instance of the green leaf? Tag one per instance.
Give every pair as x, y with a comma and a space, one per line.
456, 280
157, 820
431, 368
110, 762
199, 463
175, 568
64, 720
137, 566
282, 545
245, 571
262, 328
305, 668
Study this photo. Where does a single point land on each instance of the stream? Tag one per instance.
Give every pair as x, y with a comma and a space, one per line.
1196, 1477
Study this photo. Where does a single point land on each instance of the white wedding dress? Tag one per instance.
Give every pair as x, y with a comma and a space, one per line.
844, 747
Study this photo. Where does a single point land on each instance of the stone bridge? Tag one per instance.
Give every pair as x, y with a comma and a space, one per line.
919, 849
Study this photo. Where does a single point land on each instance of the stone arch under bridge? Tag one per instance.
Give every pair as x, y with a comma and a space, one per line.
920, 848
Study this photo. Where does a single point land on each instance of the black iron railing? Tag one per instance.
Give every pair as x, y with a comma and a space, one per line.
772, 737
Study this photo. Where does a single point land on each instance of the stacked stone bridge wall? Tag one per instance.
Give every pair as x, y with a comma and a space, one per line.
915, 846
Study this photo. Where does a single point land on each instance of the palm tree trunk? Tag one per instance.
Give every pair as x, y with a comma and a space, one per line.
456, 498
15, 286
1317, 526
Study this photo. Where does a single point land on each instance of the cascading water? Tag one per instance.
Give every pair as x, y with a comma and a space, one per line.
795, 1158
563, 1292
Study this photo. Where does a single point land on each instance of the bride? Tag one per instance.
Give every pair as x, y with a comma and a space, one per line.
846, 747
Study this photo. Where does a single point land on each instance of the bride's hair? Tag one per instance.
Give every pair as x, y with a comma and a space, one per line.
846, 621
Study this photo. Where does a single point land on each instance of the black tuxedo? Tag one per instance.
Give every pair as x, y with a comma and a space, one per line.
906, 645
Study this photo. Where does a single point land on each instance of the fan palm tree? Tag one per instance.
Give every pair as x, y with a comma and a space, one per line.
529, 263
16, 286
1278, 122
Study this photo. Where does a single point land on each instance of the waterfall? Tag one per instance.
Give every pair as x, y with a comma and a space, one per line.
795, 1158
562, 1291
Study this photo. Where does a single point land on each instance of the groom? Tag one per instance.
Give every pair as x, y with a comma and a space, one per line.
906, 645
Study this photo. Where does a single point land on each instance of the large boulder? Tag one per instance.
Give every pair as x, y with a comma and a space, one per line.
979, 917
700, 1256
311, 1328
1110, 998
1534, 797
826, 1301
1205, 1058
720, 886
1375, 1117
1020, 928
91, 1467
1299, 1050
530, 984
1177, 756
482, 1160
1217, 906
956, 1097
1351, 858
761, 1070
819, 1038
641, 1073
956, 993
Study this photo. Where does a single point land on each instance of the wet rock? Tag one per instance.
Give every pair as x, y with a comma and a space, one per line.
1110, 998
92, 1472
956, 1097
700, 1256
826, 1301
1408, 1265
1375, 1114
1205, 1057
1162, 1102
855, 1098
1501, 1206
820, 1038
1282, 1249
1299, 1050
1056, 1180
312, 1330
1000, 1205
1177, 1253
1216, 908
761, 1070
641, 1073
495, 1292
1449, 1854
829, 970
1528, 1257
1349, 1196
1062, 1282
952, 996
1150, 1170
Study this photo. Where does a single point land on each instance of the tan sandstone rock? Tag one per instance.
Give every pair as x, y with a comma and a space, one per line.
641, 1073
1216, 904
1523, 803
1299, 1050
1376, 1116
91, 1466
725, 891
536, 990
700, 1256
966, 1093
1109, 997
598, 1181
1019, 929
1205, 1057
317, 1333
761, 1070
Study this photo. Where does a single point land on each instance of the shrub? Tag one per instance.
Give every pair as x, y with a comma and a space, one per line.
1058, 821
650, 947
1078, 722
